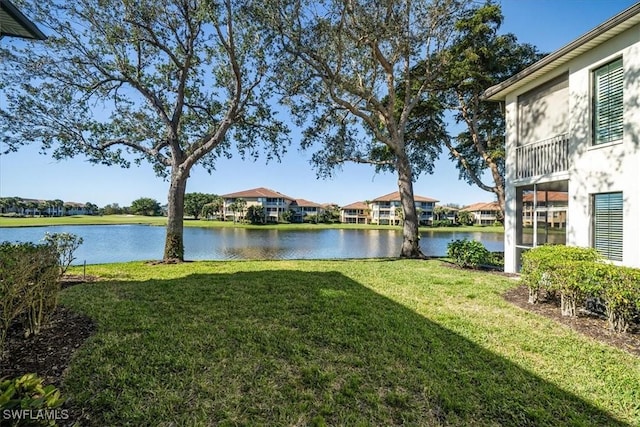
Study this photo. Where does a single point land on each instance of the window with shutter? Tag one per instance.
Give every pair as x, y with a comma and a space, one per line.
607, 225
608, 103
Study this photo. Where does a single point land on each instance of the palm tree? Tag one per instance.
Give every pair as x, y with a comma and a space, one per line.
20, 206
238, 205
67, 207
31, 207
90, 208
216, 205
399, 214
43, 206
419, 213
438, 212
367, 212
58, 205
4, 204
465, 217
242, 206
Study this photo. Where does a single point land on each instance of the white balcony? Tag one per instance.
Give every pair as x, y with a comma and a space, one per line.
543, 157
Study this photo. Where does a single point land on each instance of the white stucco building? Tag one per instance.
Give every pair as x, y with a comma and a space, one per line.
573, 126
387, 209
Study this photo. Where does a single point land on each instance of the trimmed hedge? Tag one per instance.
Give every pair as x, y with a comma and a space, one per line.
619, 288
580, 274
539, 264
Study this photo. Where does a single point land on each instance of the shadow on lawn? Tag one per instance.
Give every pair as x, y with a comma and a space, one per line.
293, 347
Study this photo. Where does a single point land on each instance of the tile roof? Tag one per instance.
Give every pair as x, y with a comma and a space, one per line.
395, 196
554, 196
356, 205
257, 192
482, 206
307, 203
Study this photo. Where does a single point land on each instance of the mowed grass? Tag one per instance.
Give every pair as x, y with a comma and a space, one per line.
353, 343
15, 221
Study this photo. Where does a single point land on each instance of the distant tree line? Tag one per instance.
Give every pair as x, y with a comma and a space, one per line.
34, 207
49, 208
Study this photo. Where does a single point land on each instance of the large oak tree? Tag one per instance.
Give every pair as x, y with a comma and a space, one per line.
174, 83
345, 72
478, 58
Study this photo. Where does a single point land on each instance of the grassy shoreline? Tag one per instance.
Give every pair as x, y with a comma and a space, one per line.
6, 221
367, 342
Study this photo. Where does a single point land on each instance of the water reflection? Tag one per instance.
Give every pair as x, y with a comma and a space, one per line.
120, 243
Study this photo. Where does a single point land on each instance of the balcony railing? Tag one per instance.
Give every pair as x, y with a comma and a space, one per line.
543, 157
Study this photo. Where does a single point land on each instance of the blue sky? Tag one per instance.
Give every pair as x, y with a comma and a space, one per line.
547, 24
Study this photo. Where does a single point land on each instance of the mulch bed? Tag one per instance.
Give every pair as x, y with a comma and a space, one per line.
590, 324
47, 354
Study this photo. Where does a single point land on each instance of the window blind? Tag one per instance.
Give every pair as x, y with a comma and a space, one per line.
608, 103
608, 213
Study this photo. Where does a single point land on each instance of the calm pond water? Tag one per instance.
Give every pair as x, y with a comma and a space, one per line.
121, 243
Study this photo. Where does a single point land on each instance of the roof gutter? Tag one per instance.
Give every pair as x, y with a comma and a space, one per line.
553, 60
20, 19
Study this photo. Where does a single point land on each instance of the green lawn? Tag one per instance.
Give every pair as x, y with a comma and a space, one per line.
12, 221
354, 343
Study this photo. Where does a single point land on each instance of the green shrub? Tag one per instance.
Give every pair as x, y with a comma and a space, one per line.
572, 280
65, 244
442, 223
540, 263
29, 285
618, 287
28, 397
468, 253
497, 259
579, 274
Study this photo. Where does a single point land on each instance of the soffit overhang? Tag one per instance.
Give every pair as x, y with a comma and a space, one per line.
603, 32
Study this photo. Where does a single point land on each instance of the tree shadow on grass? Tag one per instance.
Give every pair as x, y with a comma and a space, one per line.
293, 348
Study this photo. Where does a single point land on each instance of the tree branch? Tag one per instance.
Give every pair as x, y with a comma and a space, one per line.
463, 161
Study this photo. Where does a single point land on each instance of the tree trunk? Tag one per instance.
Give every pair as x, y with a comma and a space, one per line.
617, 321
174, 243
499, 190
410, 233
568, 304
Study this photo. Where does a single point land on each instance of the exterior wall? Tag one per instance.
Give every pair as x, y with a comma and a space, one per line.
426, 214
78, 209
604, 168
272, 208
607, 167
544, 111
299, 212
75, 210
353, 216
484, 217
384, 213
